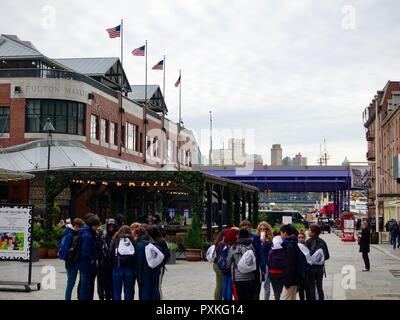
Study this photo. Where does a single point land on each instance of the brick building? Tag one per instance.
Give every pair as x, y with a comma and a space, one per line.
388, 138
101, 121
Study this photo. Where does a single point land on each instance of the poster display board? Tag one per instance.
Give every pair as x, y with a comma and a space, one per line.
15, 232
287, 220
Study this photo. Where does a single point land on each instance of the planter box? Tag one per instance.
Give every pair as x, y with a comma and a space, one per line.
193, 254
52, 253
172, 258
43, 253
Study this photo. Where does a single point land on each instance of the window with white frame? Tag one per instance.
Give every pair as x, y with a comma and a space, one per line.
170, 151
114, 133
104, 131
131, 136
94, 127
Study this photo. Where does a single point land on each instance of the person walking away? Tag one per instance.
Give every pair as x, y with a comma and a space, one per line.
394, 232
245, 224
105, 262
230, 237
70, 232
292, 257
304, 293
87, 258
219, 245
123, 251
242, 282
276, 264
316, 273
159, 224
264, 231
157, 239
364, 242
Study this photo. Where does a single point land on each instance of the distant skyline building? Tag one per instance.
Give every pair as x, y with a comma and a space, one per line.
276, 155
299, 160
234, 154
287, 162
256, 160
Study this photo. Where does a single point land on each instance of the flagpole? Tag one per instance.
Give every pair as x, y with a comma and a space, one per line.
121, 81
122, 45
180, 118
145, 106
163, 118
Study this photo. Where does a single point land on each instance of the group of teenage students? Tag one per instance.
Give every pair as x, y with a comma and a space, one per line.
118, 256
286, 260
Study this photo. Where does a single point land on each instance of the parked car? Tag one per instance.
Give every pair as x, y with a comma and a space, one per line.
325, 223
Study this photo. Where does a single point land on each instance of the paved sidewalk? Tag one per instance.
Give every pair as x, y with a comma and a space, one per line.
195, 280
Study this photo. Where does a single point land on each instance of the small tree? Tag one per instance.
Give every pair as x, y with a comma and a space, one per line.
193, 239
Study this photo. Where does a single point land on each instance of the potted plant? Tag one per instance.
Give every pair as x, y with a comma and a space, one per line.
173, 248
37, 235
52, 249
43, 249
35, 251
194, 241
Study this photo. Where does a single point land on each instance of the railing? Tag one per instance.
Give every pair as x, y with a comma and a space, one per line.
369, 135
370, 155
55, 74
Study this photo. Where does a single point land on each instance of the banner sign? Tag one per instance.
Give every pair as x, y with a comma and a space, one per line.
15, 232
287, 220
361, 177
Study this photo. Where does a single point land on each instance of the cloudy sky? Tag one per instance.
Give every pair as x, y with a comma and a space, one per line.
289, 72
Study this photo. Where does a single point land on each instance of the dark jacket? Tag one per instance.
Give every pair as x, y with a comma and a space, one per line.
292, 252
142, 268
394, 229
265, 247
313, 244
119, 261
87, 259
256, 242
364, 240
67, 237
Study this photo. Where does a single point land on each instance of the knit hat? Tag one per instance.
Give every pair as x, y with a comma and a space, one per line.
230, 235
244, 233
111, 221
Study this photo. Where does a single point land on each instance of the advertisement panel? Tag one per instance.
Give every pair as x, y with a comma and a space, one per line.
15, 232
361, 177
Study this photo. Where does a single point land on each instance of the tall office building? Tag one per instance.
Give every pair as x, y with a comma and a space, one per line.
276, 155
298, 160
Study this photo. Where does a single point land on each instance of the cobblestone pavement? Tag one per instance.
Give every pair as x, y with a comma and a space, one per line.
195, 280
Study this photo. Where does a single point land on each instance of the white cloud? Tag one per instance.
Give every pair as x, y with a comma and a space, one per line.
286, 69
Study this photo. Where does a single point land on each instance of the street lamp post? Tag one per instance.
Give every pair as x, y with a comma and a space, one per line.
49, 128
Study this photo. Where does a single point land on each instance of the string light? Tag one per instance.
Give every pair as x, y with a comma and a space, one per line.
118, 184
105, 183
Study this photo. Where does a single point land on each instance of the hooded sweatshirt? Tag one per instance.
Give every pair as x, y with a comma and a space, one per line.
276, 256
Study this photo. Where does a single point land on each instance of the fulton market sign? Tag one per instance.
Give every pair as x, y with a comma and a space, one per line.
55, 89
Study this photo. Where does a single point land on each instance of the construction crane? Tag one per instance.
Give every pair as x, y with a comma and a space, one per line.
323, 155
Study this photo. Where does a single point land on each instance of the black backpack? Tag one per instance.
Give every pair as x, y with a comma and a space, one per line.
75, 250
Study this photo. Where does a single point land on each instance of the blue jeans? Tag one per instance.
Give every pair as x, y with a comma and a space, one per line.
86, 285
72, 273
267, 286
148, 286
227, 287
123, 277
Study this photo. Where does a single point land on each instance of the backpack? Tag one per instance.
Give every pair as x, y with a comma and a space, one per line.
247, 262
74, 251
276, 259
124, 251
154, 256
64, 248
222, 260
211, 253
318, 258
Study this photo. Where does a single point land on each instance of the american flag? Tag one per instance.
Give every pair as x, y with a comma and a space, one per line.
114, 32
139, 51
159, 65
178, 82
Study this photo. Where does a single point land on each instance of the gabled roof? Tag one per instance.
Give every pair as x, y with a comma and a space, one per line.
106, 68
12, 47
89, 66
154, 96
138, 92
